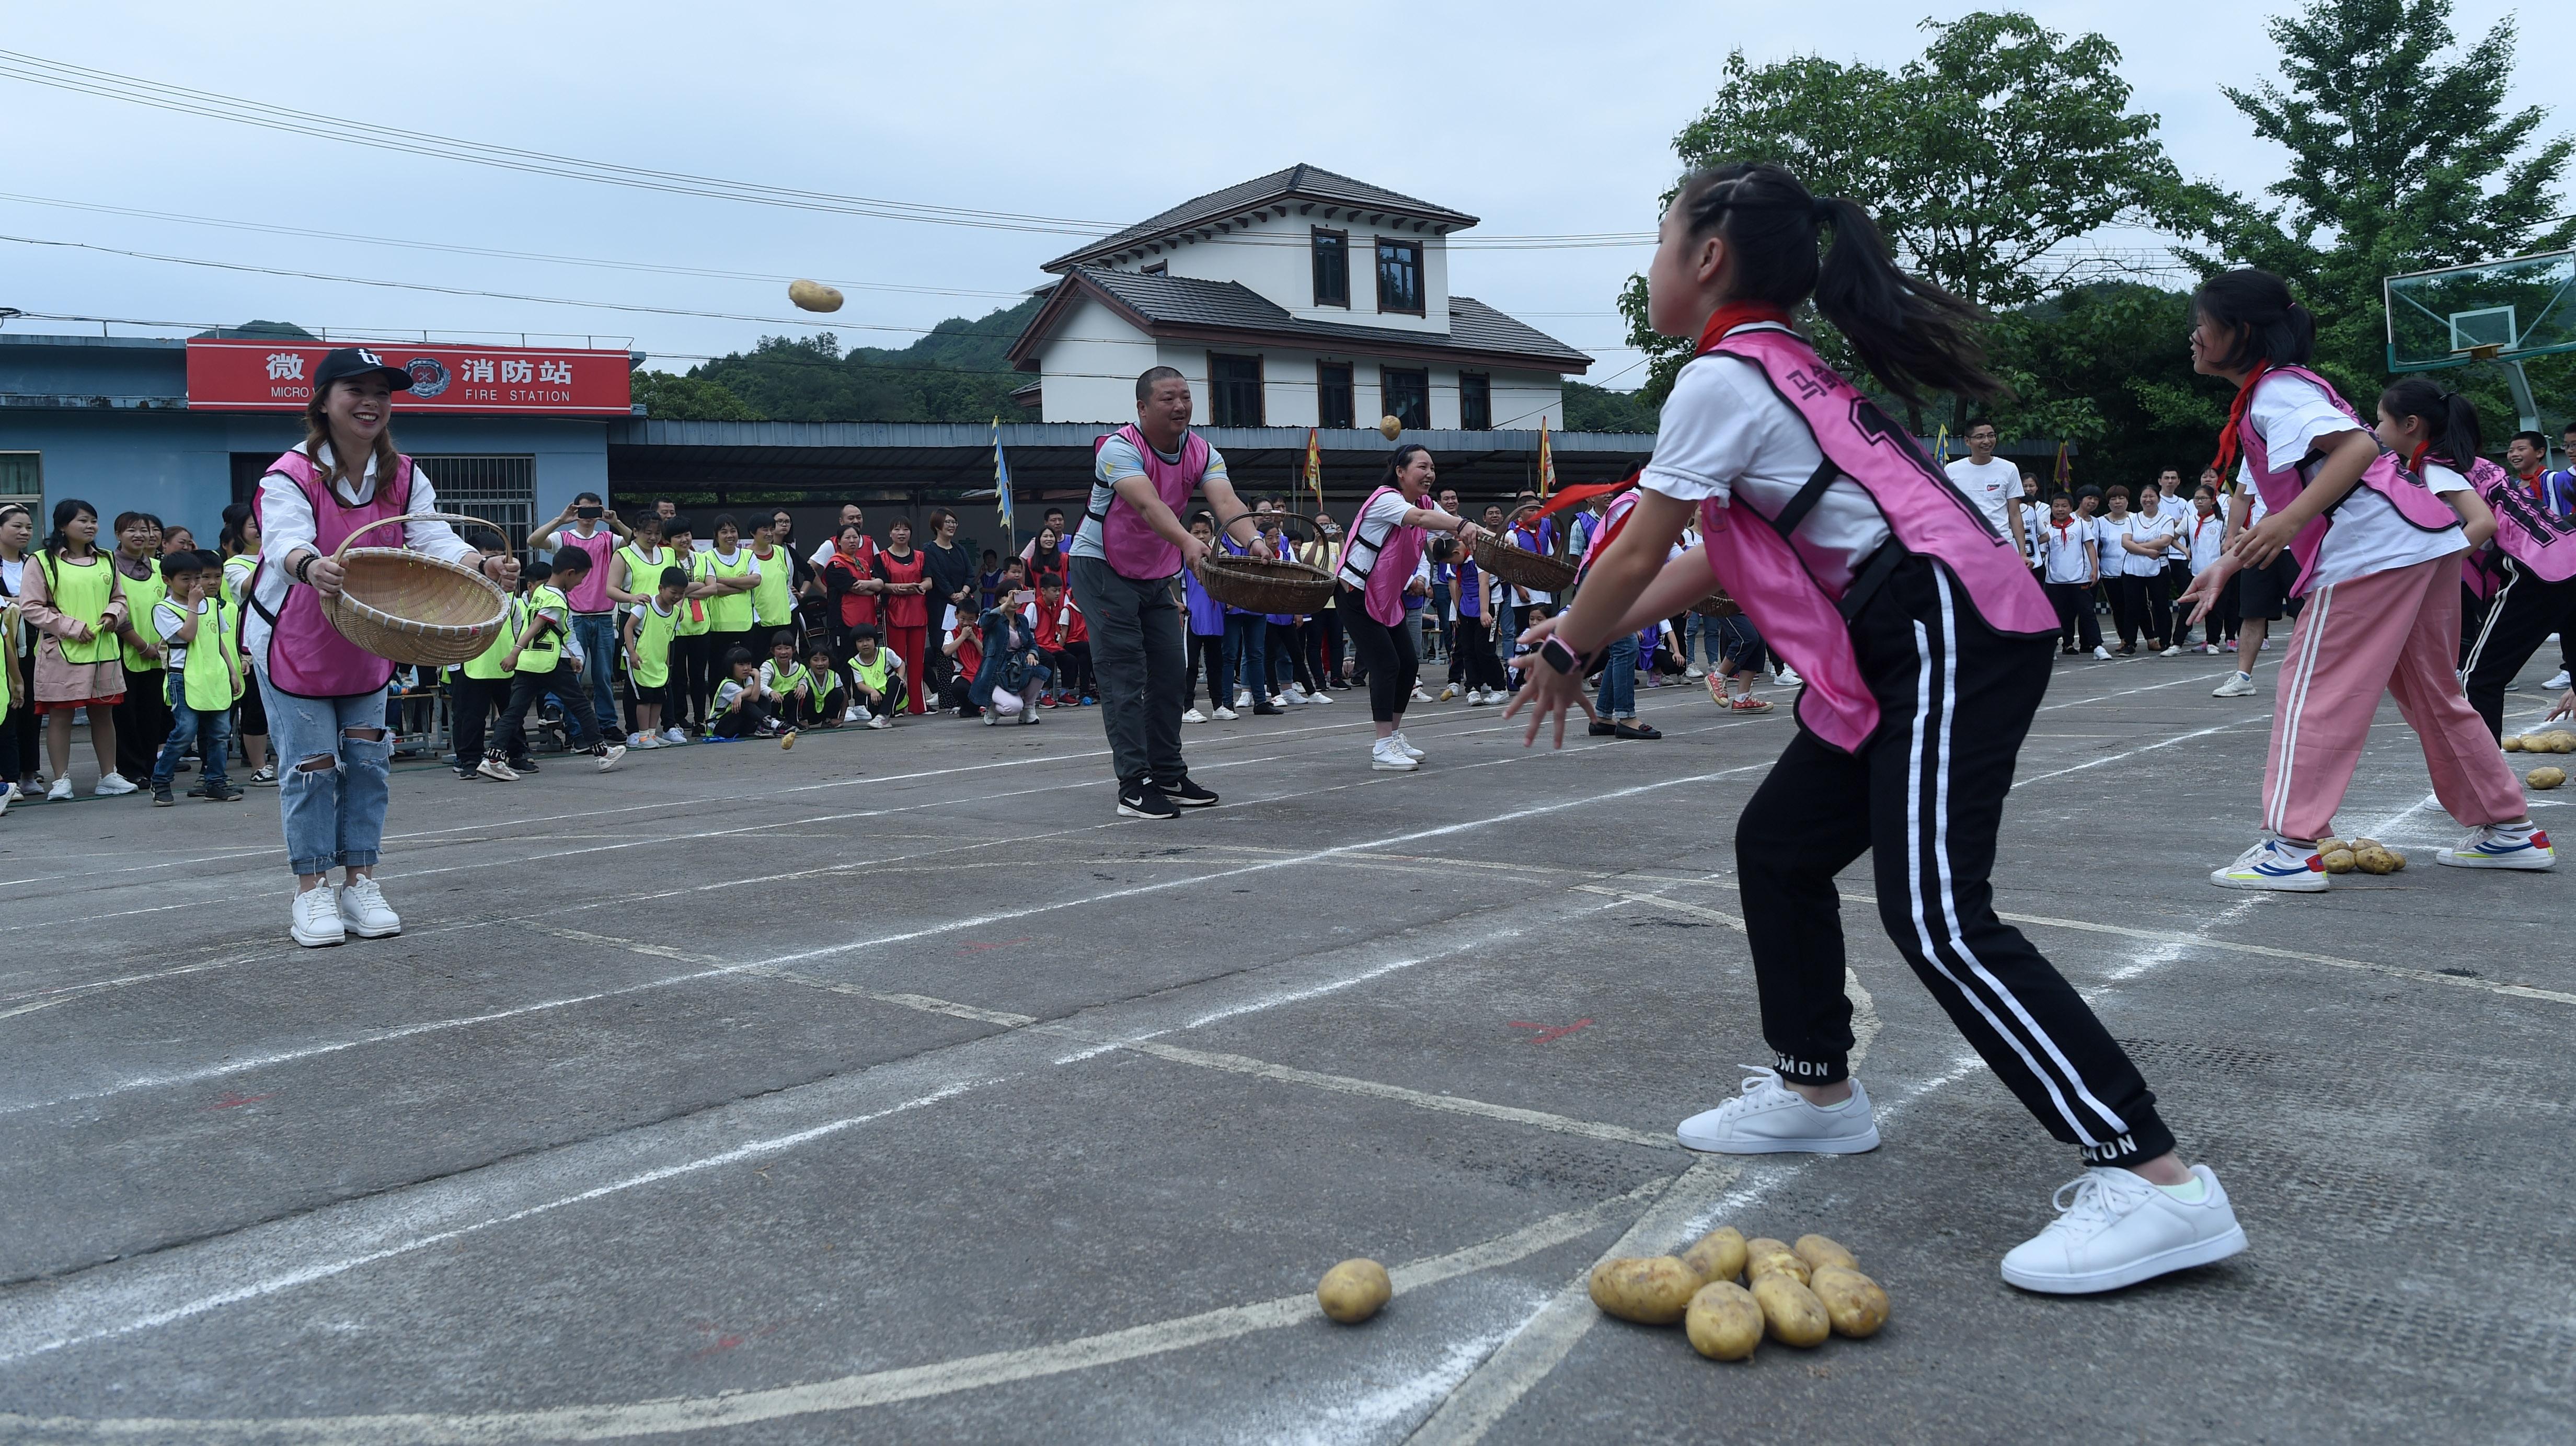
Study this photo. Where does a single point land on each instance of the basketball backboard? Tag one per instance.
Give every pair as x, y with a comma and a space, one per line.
2487, 311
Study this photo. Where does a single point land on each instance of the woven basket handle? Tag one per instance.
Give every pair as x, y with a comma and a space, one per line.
417, 517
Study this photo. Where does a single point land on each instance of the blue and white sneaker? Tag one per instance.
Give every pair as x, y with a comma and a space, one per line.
2501, 846
2275, 864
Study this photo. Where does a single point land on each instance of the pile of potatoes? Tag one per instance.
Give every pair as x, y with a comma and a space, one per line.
2556, 740
2368, 855
1797, 1294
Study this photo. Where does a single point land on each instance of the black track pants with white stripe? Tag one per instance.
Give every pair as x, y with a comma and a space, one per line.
2519, 616
1924, 797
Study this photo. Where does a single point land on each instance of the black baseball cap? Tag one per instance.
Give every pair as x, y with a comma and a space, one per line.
345, 362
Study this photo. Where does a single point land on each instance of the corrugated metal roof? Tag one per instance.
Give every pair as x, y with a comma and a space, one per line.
1301, 182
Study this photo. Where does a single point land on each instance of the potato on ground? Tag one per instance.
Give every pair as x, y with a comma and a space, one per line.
1354, 1290
1650, 1290
2330, 843
2545, 777
2338, 861
1725, 1321
1719, 1255
1819, 1251
2513, 743
1764, 1255
1853, 1302
1791, 1311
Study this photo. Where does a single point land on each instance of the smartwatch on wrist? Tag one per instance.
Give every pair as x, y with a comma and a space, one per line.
1557, 655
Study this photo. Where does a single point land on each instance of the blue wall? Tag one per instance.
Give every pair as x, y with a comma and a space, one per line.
121, 455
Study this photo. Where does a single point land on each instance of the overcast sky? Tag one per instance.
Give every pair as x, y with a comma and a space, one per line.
1542, 119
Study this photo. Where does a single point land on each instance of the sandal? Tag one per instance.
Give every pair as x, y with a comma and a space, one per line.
1747, 703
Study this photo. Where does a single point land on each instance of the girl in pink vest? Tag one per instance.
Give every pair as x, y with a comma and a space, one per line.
2525, 579
2378, 556
1924, 642
325, 695
1386, 546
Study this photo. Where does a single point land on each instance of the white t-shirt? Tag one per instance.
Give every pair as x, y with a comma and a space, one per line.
1369, 532
1726, 433
1992, 485
2061, 547
2137, 527
168, 619
1118, 459
2366, 535
2203, 539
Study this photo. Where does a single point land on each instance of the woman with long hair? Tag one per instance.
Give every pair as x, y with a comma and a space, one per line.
1924, 643
76, 602
325, 695
1387, 538
237, 543
905, 573
18, 756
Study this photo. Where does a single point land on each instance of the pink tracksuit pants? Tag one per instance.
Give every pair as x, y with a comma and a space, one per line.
2395, 632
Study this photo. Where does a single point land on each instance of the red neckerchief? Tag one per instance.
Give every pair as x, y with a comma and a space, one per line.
1734, 314
2227, 443
2532, 480
2415, 459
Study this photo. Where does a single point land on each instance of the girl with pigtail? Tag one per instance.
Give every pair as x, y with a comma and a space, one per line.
2378, 554
1924, 642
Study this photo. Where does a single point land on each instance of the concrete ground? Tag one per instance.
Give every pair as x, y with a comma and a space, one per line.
893, 1090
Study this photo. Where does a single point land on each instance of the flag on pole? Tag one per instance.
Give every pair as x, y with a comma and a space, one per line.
1315, 470
2065, 472
1546, 462
1002, 481
1941, 447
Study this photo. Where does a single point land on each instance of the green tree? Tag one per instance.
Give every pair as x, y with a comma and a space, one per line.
674, 398
2104, 365
1981, 159
2401, 159
959, 372
1599, 409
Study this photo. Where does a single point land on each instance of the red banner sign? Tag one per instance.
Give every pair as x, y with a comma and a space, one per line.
277, 376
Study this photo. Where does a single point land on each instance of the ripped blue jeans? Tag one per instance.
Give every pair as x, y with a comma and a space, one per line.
334, 814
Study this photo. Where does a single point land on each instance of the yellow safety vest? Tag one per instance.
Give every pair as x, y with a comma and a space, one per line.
542, 655
207, 674
773, 603
728, 612
697, 614
141, 593
653, 631
83, 592
644, 574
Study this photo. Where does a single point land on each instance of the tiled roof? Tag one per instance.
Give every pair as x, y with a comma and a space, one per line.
1186, 302
1303, 182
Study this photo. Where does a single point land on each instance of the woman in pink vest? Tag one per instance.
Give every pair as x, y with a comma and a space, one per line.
2525, 580
2378, 555
1386, 546
325, 695
1925, 645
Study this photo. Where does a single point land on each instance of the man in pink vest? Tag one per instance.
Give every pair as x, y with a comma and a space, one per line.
1123, 557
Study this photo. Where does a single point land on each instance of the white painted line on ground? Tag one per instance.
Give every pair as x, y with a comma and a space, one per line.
2125, 692
2110, 758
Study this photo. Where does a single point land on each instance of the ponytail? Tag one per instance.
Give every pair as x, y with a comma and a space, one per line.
2451, 430
2270, 327
1909, 333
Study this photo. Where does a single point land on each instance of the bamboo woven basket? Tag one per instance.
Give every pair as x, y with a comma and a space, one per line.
1716, 605
1265, 584
411, 607
1521, 568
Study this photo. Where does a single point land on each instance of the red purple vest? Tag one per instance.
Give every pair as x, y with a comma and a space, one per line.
306, 655
1773, 573
2526, 530
1134, 549
1398, 553
2386, 475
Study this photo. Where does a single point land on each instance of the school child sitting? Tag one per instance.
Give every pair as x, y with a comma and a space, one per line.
195, 629
648, 633
798, 691
876, 678
743, 707
1066, 640
832, 698
543, 658
1013, 669
965, 645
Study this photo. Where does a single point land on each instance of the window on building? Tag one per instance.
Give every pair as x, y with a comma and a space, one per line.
1407, 395
1399, 276
1475, 401
22, 480
500, 490
1234, 384
1334, 406
1332, 268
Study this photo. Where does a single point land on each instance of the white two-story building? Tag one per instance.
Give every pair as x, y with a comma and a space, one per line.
1300, 299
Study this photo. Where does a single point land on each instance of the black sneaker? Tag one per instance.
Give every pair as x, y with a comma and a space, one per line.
523, 765
1188, 794
161, 797
462, 772
216, 793
1267, 710
1144, 800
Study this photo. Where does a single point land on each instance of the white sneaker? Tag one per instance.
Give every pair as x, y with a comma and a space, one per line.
2173, 652
1293, 694
61, 792
1402, 742
1419, 696
1694, 671
2557, 679
8, 795
1319, 696
1450, 690
364, 912
2238, 685
496, 770
645, 741
1194, 716
1788, 678
111, 786
1386, 757
2276, 865
2210, 648
1478, 700
2501, 846
2118, 1229
675, 734
317, 918
1768, 1118
1225, 715
2102, 653
1495, 695
608, 760
855, 713
1243, 697
881, 721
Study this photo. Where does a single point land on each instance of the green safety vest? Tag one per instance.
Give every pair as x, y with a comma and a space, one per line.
543, 655
773, 603
784, 683
643, 574
140, 596
873, 675
83, 593
207, 676
237, 571
728, 612
653, 632
486, 665
696, 613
